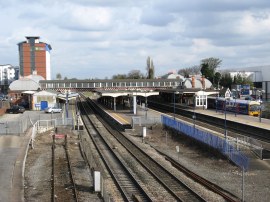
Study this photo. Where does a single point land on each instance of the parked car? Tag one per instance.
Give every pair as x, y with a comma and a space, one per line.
15, 109
53, 110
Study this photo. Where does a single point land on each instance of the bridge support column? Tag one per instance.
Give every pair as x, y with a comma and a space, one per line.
134, 104
111, 103
114, 104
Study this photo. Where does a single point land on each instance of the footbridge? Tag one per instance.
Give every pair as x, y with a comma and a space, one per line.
109, 85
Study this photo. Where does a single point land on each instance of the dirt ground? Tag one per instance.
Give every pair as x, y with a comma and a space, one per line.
37, 184
212, 166
201, 160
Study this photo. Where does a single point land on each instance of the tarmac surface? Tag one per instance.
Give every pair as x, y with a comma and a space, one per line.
13, 150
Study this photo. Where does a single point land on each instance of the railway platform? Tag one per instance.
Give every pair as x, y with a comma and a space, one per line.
239, 118
125, 116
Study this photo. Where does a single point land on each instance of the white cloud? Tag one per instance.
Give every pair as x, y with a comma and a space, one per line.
253, 25
96, 38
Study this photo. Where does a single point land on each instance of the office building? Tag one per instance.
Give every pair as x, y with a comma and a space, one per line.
34, 57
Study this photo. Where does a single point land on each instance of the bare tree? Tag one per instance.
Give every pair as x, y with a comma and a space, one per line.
186, 72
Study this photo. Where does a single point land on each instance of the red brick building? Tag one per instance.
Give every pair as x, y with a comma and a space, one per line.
34, 56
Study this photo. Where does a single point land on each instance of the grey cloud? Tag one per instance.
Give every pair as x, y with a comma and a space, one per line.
161, 35
156, 18
211, 5
135, 29
33, 15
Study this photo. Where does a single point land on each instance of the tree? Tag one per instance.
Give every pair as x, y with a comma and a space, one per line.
209, 67
186, 72
213, 63
206, 71
150, 68
135, 74
119, 76
226, 80
217, 78
58, 76
241, 79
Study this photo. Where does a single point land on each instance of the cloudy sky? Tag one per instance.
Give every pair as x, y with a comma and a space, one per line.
101, 38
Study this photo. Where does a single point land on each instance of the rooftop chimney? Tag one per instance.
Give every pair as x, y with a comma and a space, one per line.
203, 82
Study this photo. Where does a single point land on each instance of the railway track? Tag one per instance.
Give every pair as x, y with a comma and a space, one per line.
63, 184
215, 124
130, 189
177, 189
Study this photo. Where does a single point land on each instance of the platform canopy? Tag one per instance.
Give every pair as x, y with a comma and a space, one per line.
69, 96
127, 93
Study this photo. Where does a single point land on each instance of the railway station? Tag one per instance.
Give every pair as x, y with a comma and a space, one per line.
146, 116
147, 110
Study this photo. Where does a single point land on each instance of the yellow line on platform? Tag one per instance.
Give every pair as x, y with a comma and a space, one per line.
120, 118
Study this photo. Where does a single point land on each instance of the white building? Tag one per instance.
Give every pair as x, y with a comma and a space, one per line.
8, 73
260, 76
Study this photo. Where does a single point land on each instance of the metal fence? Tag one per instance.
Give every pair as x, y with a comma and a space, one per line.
14, 127
44, 125
141, 120
222, 145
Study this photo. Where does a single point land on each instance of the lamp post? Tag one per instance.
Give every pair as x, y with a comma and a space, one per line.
145, 106
235, 93
194, 115
203, 99
260, 100
225, 120
174, 103
67, 104
216, 104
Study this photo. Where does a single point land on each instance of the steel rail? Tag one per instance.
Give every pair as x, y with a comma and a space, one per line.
74, 190
173, 185
128, 186
71, 172
211, 186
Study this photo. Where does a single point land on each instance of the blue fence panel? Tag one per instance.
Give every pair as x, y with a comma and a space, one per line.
213, 141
